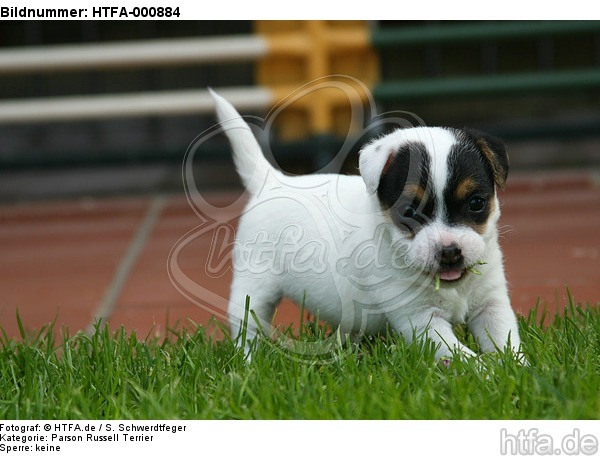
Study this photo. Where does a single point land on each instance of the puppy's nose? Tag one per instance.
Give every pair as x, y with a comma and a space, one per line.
451, 255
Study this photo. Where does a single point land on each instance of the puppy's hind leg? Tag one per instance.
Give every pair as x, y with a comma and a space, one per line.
251, 308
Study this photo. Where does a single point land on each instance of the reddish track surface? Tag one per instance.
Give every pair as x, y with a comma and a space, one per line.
58, 260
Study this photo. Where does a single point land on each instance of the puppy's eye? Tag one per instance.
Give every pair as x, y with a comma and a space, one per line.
409, 211
476, 204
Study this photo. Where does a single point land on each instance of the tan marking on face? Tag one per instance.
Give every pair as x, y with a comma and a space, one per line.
465, 188
491, 158
410, 192
415, 191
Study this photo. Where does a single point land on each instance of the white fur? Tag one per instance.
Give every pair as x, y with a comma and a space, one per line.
323, 240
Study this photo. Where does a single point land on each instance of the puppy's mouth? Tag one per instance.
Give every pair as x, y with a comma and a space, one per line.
451, 264
451, 274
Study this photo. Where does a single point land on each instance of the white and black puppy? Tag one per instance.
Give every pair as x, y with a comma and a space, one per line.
397, 245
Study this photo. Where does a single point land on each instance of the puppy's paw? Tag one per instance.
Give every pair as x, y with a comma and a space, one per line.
461, 364
444, 362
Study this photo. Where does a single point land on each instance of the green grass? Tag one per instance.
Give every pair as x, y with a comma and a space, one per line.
189, 376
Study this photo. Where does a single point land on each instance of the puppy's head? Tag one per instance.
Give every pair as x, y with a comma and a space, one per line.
438, 188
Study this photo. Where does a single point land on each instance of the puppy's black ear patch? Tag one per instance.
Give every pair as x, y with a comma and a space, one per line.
494, 151
409, 165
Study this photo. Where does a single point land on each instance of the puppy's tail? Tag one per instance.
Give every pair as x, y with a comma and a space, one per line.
250, 163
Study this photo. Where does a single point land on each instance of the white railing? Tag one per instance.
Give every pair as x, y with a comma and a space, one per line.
129, 105
132, 54
158, 53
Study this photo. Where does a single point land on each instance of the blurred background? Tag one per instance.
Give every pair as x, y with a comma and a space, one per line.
96, 118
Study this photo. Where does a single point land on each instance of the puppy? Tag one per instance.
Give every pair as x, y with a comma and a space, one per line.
412, 242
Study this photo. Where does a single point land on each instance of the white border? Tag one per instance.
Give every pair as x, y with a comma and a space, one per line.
317, 9
291, 438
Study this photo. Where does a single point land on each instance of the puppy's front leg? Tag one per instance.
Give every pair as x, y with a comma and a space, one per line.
494, 325
436, 329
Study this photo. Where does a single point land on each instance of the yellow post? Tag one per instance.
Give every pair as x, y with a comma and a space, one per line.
303, 51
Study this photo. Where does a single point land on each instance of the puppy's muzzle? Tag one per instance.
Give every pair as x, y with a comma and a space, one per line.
451, 262
451, 257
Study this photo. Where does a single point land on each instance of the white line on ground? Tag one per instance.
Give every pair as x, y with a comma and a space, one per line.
123, 271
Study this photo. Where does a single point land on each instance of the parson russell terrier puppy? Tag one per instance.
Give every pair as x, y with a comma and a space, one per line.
412, 242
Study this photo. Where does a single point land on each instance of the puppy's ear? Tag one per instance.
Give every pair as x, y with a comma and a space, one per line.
494, 151
372, 162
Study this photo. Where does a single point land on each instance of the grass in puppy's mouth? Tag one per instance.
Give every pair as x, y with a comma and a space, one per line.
470, 269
